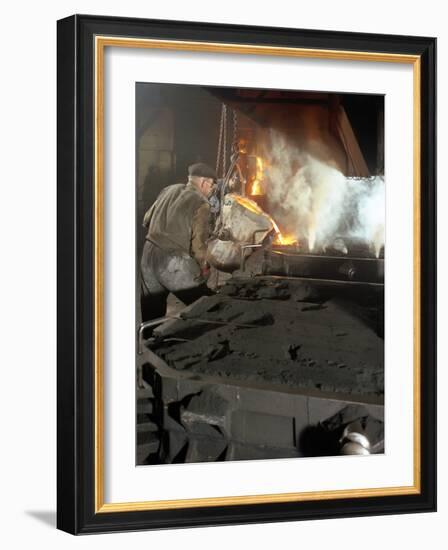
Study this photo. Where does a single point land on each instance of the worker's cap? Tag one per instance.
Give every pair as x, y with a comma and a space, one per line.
201, 170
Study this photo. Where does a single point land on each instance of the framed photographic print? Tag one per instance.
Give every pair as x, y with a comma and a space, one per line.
246, 274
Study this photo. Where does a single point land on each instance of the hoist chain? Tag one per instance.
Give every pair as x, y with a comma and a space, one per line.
221, 157
218, 156
224, 148
235, 132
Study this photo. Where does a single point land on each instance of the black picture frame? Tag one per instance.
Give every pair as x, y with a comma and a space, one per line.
78, 509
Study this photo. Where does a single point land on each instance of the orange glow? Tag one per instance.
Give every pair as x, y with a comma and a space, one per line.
257, 188
249, 204
286, 239
252, 206
242, 146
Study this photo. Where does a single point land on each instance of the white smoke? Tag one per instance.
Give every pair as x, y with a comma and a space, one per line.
313, 200
368, 208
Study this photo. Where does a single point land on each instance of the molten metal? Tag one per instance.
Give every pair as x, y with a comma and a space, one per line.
248, 203
253, 207
286, 240
257, 188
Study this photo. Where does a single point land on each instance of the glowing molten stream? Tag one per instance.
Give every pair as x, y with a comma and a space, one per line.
253, 207
257, 188
250, 205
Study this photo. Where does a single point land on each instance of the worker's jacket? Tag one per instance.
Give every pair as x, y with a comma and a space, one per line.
178, 221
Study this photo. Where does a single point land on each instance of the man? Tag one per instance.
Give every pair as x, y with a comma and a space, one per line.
174, 257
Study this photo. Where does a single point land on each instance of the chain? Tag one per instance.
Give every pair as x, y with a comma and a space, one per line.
235, 131
221, 125
221, 157
222, 145
224, 149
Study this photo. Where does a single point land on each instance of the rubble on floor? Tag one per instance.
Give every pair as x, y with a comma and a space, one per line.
269, 330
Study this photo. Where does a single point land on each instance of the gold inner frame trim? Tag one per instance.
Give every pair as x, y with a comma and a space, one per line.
101, 42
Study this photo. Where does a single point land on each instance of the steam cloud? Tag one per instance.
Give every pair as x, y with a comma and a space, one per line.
313, 200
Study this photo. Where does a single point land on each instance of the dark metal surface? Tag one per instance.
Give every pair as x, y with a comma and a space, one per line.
208, 418
290, 264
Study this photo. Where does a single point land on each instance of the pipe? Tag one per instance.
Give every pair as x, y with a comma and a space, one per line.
145, 325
